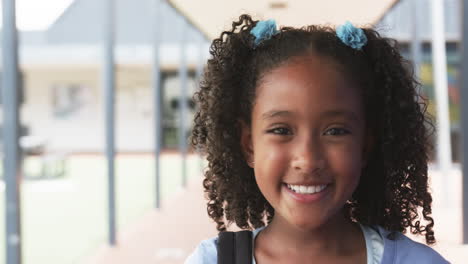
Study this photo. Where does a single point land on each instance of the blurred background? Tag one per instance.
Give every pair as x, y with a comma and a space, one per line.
95, 125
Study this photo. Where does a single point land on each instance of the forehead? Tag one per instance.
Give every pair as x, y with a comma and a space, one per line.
307, 85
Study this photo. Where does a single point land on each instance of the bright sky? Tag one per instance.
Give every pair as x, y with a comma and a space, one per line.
37, 14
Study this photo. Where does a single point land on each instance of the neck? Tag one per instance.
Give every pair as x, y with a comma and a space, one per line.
338, 236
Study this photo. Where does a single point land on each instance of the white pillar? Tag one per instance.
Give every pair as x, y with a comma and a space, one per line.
157, 109
109, 103
439, 65
12, 171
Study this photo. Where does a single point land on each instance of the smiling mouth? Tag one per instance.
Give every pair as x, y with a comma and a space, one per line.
308, 193
306, 189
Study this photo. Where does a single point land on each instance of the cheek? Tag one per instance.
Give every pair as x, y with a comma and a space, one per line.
346, 162
271, 162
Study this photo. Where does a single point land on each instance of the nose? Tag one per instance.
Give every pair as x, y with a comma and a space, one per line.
308, 157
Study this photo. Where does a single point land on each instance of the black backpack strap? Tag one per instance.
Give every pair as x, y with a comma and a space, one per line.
244, 247
235, 247
226, 242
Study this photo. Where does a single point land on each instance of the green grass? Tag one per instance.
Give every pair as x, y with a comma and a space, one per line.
65, 219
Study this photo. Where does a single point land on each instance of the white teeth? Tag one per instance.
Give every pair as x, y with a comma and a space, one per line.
307, 189
315, 189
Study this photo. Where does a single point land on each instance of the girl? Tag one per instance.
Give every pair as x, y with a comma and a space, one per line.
318, 142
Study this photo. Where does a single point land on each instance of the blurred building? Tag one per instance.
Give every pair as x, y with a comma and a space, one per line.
409, 15
63, 103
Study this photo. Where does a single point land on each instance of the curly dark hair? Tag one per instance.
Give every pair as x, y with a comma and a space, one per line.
393, 188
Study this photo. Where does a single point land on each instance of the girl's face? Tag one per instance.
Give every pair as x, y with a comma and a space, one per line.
308, 131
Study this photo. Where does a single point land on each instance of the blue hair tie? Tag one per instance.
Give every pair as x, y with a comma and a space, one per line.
351, 36
264, 30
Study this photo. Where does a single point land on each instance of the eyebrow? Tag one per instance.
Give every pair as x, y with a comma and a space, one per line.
275, 113
337, 113
328, 114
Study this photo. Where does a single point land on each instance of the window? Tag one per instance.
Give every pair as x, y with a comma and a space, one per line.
170, 88
67, 99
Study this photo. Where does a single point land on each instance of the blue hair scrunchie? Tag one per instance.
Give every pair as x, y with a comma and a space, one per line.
264, 30
351, 36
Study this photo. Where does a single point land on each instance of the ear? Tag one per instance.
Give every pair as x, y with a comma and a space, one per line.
246, 142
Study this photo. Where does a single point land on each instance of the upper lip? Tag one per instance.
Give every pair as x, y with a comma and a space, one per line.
308, 183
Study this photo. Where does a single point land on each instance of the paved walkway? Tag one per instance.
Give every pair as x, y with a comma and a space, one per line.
168, 236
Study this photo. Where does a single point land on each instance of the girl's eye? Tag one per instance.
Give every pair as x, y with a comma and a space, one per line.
280, 131
337, 131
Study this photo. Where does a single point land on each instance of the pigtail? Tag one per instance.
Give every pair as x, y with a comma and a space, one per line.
401, 158
229, 183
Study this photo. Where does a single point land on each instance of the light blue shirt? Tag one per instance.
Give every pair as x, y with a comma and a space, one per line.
379, 249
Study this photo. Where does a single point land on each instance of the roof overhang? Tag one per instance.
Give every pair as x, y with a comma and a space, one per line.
214, 16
